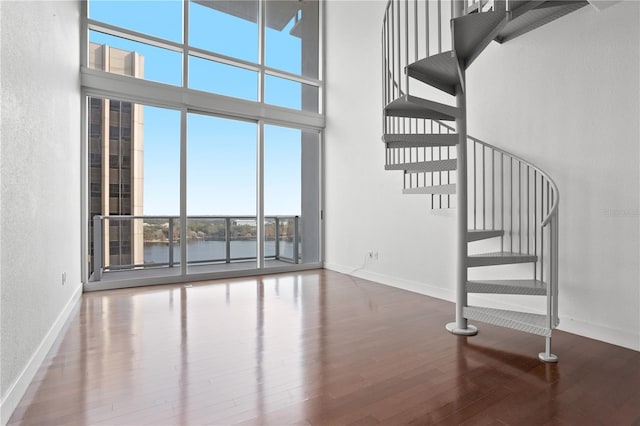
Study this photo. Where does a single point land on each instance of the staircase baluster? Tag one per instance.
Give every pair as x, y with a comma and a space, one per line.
384, 81
535, 221
426, 19
511, 204
483, 190
528, 210
493, 189
548, 197
502, 199
415, 30
519, 207
397, 24
542, 230
439, 26
472, 174
406, 42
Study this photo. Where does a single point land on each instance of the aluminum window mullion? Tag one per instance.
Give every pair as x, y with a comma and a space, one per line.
261, 49
183, 143
183, 192
223, 59
290, 76
321, 59
185, 44
84, 37
260, 251
133, 35
114, 86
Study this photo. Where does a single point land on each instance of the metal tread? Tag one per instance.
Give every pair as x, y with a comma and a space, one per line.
483, 234
523, 321
499, 258
439, 71
412, 140
425, 166
472, 33
435, 189
530, 18
527, 287
415, 107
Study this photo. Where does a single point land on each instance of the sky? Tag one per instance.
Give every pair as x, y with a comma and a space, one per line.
221, 153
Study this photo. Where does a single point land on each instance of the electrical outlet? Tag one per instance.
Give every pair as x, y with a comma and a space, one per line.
375, 255
370, 254
64, 278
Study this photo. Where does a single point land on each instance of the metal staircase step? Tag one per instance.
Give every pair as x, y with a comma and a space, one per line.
528, 287
412, 140
472, 33
498, 258
439, 71
530, 323
424, 166
483, 234
414, 107
436, 189
534, 14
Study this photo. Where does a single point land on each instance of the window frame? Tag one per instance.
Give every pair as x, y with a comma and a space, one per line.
91, 77
97, 83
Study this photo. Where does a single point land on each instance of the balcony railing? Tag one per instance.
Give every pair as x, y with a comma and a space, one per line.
140, 242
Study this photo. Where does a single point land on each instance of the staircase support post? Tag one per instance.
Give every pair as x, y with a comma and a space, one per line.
460, 326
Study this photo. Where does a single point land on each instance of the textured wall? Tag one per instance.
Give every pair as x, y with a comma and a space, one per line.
40, 172
564, 97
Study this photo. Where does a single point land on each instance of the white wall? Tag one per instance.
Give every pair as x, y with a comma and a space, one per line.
564, 97
40, 173
364, 206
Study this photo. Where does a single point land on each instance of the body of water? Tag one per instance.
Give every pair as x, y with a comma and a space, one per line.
201, 250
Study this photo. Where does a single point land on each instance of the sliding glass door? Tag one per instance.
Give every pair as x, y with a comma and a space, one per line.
291, 196
221, 194
133, 188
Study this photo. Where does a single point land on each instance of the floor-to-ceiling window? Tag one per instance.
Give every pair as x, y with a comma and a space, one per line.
202, 116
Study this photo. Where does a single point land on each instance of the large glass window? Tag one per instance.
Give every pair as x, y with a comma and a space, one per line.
223, 79
292, 36
122, 56
214, 22
290, 94
205, 156
158, 18
222, 54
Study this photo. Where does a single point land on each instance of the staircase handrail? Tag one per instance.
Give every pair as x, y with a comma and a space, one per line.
556, 193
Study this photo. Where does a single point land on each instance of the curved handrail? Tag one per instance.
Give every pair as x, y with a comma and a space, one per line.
556, 192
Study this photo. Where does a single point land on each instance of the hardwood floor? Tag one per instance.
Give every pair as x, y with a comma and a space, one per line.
315, 347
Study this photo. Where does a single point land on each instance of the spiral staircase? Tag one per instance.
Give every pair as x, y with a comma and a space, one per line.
507, 208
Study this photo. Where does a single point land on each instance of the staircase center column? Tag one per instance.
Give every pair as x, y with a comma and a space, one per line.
460, 326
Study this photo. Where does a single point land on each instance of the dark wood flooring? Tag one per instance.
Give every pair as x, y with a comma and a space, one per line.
317, 348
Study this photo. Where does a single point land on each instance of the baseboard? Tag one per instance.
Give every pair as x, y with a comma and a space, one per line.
409, 285
19, 386
614, 336
626, 339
